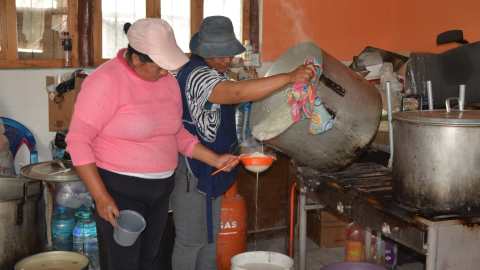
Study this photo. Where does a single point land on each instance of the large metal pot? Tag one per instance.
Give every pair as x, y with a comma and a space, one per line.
21, 220
354, 103
436, 162
64, 260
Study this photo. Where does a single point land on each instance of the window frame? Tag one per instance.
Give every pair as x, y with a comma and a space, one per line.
8, 16
8, 55
154, 11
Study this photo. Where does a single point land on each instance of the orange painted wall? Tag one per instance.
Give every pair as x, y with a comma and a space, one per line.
344, 28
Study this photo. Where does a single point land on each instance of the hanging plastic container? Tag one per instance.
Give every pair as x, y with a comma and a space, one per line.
232, 239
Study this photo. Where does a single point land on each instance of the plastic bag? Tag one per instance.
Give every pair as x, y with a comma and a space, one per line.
242, 120
4, 143
6, 164
2, 127
387, 75
71, 194
7, 167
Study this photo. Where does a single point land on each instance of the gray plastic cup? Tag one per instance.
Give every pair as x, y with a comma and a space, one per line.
129, 226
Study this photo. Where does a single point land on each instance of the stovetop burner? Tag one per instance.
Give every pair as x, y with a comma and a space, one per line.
363, 192
371, 184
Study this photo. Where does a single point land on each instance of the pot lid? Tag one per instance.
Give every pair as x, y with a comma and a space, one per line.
440, 117
59, 170
12, 188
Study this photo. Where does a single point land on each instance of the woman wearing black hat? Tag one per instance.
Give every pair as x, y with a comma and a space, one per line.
207, 95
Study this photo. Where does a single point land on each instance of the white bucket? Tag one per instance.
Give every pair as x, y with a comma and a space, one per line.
261, 260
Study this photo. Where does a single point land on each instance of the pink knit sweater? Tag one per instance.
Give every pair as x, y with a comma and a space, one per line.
126, 124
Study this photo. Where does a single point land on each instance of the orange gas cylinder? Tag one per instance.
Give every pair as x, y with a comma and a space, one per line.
232, 239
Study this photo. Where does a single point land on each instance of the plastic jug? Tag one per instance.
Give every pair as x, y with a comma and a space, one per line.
62, 228
85, 238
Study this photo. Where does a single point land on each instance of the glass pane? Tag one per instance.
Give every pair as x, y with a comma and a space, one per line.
228, 8
177, 14
40, 26
115, 13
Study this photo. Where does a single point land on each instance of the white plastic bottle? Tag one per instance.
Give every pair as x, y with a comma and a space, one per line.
248, 57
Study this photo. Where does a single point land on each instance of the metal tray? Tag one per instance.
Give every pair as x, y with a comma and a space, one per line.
59, 170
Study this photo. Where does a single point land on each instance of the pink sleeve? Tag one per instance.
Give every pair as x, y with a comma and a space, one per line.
94, 108
186, 142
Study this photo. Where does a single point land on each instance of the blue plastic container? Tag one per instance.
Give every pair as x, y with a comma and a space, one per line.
62, 228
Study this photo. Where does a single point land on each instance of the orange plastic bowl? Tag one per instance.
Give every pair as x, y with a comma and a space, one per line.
256, 161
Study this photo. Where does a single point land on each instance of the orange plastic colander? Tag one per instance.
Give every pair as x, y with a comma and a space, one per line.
254, 164
256, 161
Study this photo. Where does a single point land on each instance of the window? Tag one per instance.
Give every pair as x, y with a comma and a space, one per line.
177, 14
184, 16
33, 29
228, 8
115, 13
40, 26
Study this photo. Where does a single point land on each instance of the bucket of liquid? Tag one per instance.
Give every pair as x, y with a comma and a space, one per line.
54, 260
261, 260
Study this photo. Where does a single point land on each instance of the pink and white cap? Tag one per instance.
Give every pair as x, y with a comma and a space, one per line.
155, 38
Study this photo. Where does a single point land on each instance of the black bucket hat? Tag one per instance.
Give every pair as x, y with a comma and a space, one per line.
216, 38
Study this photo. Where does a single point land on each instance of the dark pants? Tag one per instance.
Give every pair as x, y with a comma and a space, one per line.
149, 197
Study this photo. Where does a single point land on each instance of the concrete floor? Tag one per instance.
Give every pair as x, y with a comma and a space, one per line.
316, 257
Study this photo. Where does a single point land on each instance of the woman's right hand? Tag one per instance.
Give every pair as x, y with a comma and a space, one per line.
107, 208
303, 73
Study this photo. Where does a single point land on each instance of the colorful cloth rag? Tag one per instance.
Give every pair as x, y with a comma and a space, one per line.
305, 103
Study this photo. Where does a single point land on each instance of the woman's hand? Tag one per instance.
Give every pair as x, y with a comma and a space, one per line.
226, 160
303, 73
107, 208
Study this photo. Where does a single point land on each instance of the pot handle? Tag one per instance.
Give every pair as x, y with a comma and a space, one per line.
24, 200
447, 104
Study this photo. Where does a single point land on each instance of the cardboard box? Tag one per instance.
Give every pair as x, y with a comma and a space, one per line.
326, 229
60, 110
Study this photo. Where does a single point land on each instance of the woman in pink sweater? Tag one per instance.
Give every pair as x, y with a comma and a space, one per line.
125, 136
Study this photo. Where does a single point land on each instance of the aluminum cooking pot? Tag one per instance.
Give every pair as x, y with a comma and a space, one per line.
354, 103
64, 260
21, 220
436, 161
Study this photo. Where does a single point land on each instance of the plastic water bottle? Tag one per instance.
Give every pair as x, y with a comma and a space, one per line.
248, 57
85, 238
79, 212
62, 227
391, 255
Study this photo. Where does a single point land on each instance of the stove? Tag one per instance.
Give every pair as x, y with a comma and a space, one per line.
363, 192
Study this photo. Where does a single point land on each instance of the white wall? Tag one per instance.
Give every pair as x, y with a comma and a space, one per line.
23, 98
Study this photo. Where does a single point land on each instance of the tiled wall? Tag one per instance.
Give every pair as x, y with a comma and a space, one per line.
23, 98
